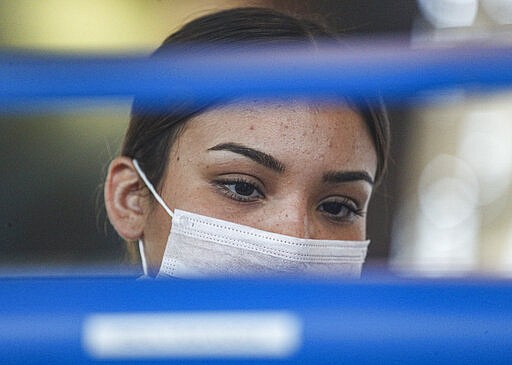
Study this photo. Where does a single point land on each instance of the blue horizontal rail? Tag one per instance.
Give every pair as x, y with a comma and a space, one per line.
113, 321
392, 70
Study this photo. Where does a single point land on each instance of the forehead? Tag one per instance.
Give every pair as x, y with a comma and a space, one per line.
293, 131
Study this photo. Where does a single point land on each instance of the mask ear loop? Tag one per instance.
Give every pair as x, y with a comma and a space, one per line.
159, 200
143, 258
151, 188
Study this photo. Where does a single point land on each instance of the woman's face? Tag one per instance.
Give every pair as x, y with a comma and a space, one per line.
297, 169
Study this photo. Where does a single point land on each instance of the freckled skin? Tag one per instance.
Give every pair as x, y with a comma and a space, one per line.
309, 140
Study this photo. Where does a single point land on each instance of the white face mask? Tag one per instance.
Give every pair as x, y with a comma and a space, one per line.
200, 246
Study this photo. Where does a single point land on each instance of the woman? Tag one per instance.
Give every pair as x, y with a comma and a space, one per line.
249, 186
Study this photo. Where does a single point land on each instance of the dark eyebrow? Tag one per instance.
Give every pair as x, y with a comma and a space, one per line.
255, 155
347, 176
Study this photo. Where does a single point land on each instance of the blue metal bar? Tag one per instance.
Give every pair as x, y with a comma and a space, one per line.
393, 70
366, 322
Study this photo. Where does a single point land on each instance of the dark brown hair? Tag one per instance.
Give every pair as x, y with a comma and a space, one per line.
152, 132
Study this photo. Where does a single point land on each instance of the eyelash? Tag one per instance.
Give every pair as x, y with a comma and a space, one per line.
346, 203
222, 185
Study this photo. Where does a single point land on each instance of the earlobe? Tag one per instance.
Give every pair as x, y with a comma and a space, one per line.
124, 200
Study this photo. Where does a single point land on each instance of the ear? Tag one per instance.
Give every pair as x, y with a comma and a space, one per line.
124, 199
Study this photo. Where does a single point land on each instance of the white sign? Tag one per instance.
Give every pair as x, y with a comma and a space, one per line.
227, 334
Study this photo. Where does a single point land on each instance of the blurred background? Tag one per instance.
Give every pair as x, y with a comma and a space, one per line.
445, 207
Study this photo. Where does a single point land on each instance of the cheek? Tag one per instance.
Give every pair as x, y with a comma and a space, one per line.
355, 231
176, 193
156, 231
186, 188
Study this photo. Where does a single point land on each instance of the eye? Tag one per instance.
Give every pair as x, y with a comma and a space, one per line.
340, 209
239, 189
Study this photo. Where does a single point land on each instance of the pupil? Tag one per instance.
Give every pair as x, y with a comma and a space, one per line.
332, 208
244, 188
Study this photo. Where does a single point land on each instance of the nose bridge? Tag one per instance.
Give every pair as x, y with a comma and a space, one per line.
293, 216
